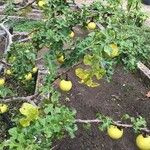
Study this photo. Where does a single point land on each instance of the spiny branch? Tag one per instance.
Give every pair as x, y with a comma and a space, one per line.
117, 123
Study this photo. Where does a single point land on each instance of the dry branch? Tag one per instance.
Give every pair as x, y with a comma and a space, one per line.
5, 63
9, 36
27, 98
27, 5
117, 123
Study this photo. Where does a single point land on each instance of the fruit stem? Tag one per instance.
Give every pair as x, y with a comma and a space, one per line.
67, 78
144, 134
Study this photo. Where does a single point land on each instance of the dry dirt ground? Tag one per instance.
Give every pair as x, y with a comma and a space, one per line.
124, 94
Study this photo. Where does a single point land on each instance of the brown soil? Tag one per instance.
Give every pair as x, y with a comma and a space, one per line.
124, 94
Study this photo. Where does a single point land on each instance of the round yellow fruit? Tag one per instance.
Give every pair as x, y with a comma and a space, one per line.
65, 85
114, 132
3, 108
8, 72
91, 25
11, 59
35, 69
143, 143
41, 3
28, 76
72, 34
115, 50
2, 81
61, 59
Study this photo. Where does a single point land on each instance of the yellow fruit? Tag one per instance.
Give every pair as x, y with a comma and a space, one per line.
2, 81
8, 72
114, 132
35, 69
12, 59
3, 108
61, 59
91, 25
65, 85
28, 76
115, 50
72, 34
143, 143
41, 3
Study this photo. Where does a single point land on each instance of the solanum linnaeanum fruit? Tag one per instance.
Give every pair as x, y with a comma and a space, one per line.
35, 69
28, 76
143, 143
115, 50
91, 25
41, 3
2, 81
3, 108
72, 34
114, 132
61, 59
65, 85
8, 72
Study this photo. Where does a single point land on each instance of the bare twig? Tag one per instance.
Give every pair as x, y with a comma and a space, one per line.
31, 16
25, 39
5, 63
27, 98
117, 123
64, 72
27, 5
9, 37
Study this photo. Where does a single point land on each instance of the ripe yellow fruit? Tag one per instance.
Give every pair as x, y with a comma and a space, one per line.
35, 69
41, 3
28, 76
114, 132
143, 143
65, 85
8, 72
115, 50
61, 59
11, 59
91, 25
72, 34
2, 81
3, 108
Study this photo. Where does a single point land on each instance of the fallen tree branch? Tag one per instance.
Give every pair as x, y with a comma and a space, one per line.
117, 123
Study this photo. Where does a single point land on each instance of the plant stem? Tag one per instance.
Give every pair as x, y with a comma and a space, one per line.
117, 123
